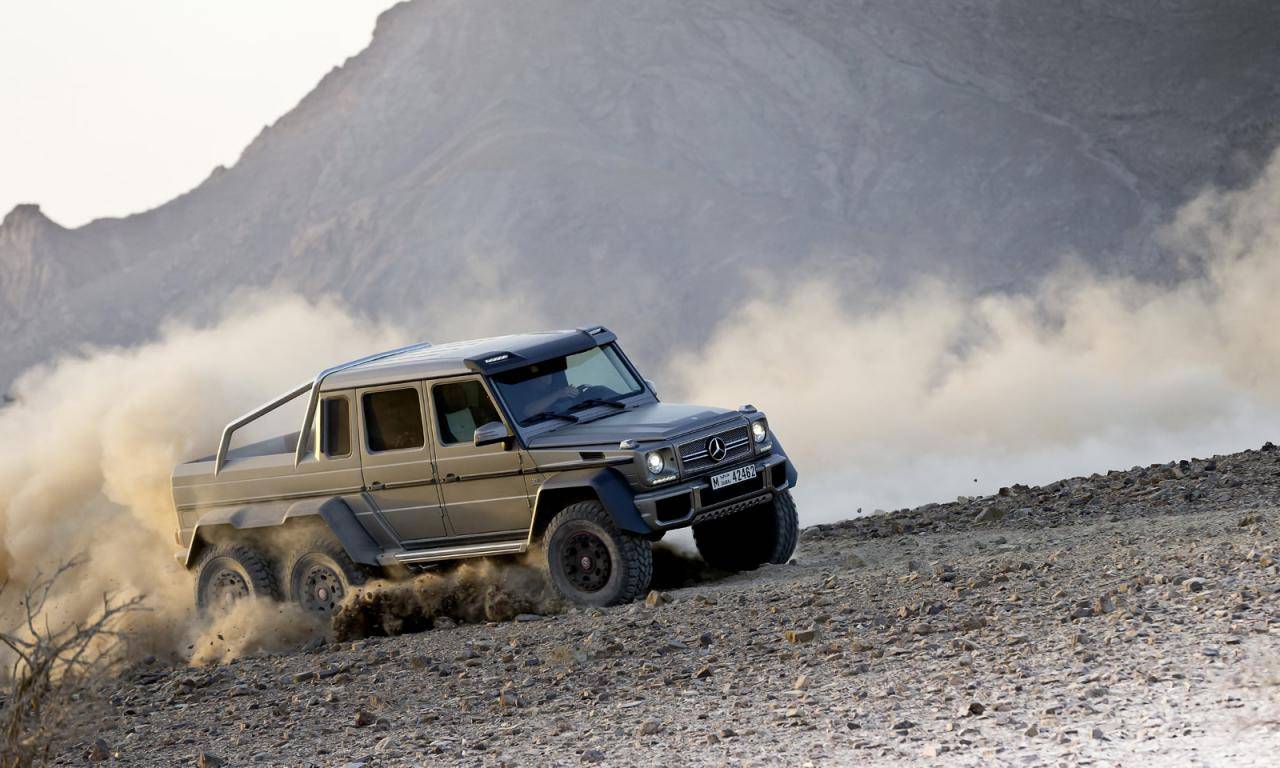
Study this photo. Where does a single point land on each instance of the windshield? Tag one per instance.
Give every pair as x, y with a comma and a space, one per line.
558, 387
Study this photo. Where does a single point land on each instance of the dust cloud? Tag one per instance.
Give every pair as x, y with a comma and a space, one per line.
92, 437
471, 591
935, 394
896, 401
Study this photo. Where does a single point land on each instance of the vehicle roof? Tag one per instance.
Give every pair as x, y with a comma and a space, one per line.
488, 356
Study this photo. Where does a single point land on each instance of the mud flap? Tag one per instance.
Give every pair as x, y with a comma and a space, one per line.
348, 531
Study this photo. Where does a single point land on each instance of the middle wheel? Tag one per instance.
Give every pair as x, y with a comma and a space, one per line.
321, 576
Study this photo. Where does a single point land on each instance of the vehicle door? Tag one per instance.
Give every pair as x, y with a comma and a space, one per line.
332, 467
395, 455
484, 492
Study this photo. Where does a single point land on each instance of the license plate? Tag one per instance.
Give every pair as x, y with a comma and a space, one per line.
733, 476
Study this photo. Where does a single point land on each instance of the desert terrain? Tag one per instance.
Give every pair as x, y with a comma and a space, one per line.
1125, 617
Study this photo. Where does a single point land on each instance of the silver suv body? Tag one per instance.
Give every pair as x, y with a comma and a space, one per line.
430, 453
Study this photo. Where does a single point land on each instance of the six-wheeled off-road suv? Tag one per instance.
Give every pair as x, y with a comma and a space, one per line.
427, 454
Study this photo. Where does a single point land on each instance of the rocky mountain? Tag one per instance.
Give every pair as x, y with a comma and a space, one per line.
651, 164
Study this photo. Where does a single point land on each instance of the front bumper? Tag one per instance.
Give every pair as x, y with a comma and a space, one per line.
694, 501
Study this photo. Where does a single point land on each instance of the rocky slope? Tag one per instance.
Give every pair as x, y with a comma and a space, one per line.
1114, 618
522, 160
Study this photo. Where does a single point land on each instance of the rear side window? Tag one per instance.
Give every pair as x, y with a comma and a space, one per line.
335, 425
462, 406
393, 420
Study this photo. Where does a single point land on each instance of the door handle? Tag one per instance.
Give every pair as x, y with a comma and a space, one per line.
451, 478
376, 485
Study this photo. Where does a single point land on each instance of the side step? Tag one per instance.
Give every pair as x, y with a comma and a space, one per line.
467, 550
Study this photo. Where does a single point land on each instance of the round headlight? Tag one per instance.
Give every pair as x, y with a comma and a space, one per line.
759, 431
653, 460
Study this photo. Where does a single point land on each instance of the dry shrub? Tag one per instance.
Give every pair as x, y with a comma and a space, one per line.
52, 662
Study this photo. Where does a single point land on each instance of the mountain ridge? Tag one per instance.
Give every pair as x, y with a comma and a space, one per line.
681, 150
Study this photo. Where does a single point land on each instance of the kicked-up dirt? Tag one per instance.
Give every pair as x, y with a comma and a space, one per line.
1126, 618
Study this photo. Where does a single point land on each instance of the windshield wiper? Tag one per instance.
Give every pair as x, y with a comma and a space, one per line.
546, 415
592, 402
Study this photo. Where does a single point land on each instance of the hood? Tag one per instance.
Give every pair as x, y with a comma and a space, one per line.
655, 421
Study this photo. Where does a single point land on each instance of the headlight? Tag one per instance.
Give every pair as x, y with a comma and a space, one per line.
759, 431
653, 460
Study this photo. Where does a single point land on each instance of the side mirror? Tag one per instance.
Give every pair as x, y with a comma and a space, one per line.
488, 434
652, 387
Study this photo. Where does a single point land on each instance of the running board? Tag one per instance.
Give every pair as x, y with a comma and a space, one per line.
469, 550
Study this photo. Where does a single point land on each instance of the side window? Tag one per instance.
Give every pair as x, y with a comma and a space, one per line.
461, 406
335, 425
393, 420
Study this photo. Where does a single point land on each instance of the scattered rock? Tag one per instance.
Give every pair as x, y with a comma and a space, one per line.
798, 635
508, 697
206, 760
990, 515
99, 751
655, 598
649, 728
364, 718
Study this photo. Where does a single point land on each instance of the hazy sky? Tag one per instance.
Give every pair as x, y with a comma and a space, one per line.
108, 107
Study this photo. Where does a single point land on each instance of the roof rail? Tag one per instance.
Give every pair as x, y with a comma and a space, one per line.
224, 445
320, 377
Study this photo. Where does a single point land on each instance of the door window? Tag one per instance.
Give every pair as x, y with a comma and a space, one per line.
393, 420
335, 425
461, 406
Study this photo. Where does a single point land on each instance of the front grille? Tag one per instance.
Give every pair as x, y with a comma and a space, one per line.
694, 457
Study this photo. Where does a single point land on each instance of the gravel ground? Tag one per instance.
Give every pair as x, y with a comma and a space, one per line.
1095, 621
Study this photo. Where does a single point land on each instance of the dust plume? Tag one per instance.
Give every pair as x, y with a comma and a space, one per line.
253, 627
934, 394
92, 438
471, 591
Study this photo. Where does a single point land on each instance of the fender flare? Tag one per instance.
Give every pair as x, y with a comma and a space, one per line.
609, 486
792, 475
336, 514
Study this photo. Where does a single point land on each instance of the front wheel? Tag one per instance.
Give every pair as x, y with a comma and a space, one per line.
228, 574
592, 562
765, 533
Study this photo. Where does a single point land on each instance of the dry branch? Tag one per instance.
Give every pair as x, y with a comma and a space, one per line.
51, 661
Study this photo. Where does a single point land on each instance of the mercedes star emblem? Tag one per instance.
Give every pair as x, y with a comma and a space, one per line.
716, 450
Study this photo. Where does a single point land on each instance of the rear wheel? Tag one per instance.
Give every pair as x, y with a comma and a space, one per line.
592, 562
229, 573
321, 576
765, 533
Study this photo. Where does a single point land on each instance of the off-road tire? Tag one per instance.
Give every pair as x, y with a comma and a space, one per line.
765, 533
227, 569
586, 530
321, 575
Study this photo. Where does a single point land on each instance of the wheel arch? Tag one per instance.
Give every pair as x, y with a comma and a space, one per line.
333, 513
604, 485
